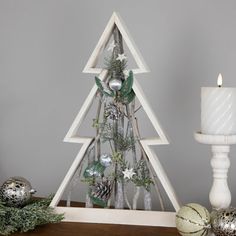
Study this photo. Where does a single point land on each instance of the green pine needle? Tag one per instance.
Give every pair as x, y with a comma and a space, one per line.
37, 212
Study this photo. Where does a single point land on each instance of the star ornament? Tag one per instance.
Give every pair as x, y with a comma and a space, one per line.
128, 173
121, 57
111, 46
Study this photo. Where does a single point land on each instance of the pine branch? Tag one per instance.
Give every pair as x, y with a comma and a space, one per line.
115, 66
27, 218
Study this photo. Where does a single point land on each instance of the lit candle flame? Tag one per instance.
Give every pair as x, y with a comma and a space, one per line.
220, 80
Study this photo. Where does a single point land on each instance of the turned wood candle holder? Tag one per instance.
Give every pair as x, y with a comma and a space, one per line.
220, 196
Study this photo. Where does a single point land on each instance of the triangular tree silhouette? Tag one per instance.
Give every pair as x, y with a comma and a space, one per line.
118, 91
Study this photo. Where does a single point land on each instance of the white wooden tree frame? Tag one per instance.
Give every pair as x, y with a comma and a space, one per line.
132, 217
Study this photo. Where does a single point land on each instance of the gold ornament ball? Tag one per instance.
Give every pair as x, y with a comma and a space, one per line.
193, 219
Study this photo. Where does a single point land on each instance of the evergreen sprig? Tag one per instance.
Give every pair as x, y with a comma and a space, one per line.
142, 177
113, 65
109, 133
37, 212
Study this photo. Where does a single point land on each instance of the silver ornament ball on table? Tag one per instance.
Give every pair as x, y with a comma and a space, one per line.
115, 84
224, 222
16, 192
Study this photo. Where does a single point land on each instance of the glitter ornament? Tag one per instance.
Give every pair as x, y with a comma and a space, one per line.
193, 219
16, 192
106, 160
224, 222
115, 84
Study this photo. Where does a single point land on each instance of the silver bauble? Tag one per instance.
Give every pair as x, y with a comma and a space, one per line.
115, 84
224, 222
16, 192
94, 169
106, 160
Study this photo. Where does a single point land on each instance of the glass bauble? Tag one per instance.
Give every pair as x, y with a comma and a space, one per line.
16, 192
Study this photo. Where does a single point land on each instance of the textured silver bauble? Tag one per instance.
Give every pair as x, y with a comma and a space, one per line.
106, 160
224, 222
115, 84
16, 192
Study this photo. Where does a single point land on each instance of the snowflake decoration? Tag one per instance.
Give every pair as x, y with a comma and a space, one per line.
128, 173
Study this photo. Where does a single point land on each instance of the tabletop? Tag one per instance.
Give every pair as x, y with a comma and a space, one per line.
88, 229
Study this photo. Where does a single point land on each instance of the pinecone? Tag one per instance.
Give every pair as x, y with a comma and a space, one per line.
101, 192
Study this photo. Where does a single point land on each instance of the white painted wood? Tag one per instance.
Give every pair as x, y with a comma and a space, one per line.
108, 215
111, 216
161, 174
115, 20
162, 139
220, 196
70, 136
142, 66
215, 139
70, 173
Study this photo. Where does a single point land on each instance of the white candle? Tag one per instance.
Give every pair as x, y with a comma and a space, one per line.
218, 110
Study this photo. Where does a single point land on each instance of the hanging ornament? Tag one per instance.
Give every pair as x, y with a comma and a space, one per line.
106, 160
16, 192
101, 192
224, 222
193, 219
95, 169
115, 84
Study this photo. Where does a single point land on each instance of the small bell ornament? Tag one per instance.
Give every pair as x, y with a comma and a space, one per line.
16, 192
115, 84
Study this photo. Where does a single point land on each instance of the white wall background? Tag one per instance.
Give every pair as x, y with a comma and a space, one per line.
44, 45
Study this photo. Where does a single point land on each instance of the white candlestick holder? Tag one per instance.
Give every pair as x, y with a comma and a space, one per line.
220, 196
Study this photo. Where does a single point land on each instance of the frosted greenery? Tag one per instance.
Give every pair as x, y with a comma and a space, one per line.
37, 212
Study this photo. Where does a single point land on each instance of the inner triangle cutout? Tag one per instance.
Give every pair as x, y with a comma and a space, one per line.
148, 160
115, 20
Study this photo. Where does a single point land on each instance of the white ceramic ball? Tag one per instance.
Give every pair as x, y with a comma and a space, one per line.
193, 219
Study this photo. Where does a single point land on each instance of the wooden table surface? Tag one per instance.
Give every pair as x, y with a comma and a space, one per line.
84, 229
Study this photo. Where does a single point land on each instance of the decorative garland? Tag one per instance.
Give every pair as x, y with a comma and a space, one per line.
37, 212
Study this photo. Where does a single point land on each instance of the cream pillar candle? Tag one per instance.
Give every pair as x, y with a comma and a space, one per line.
218, 110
